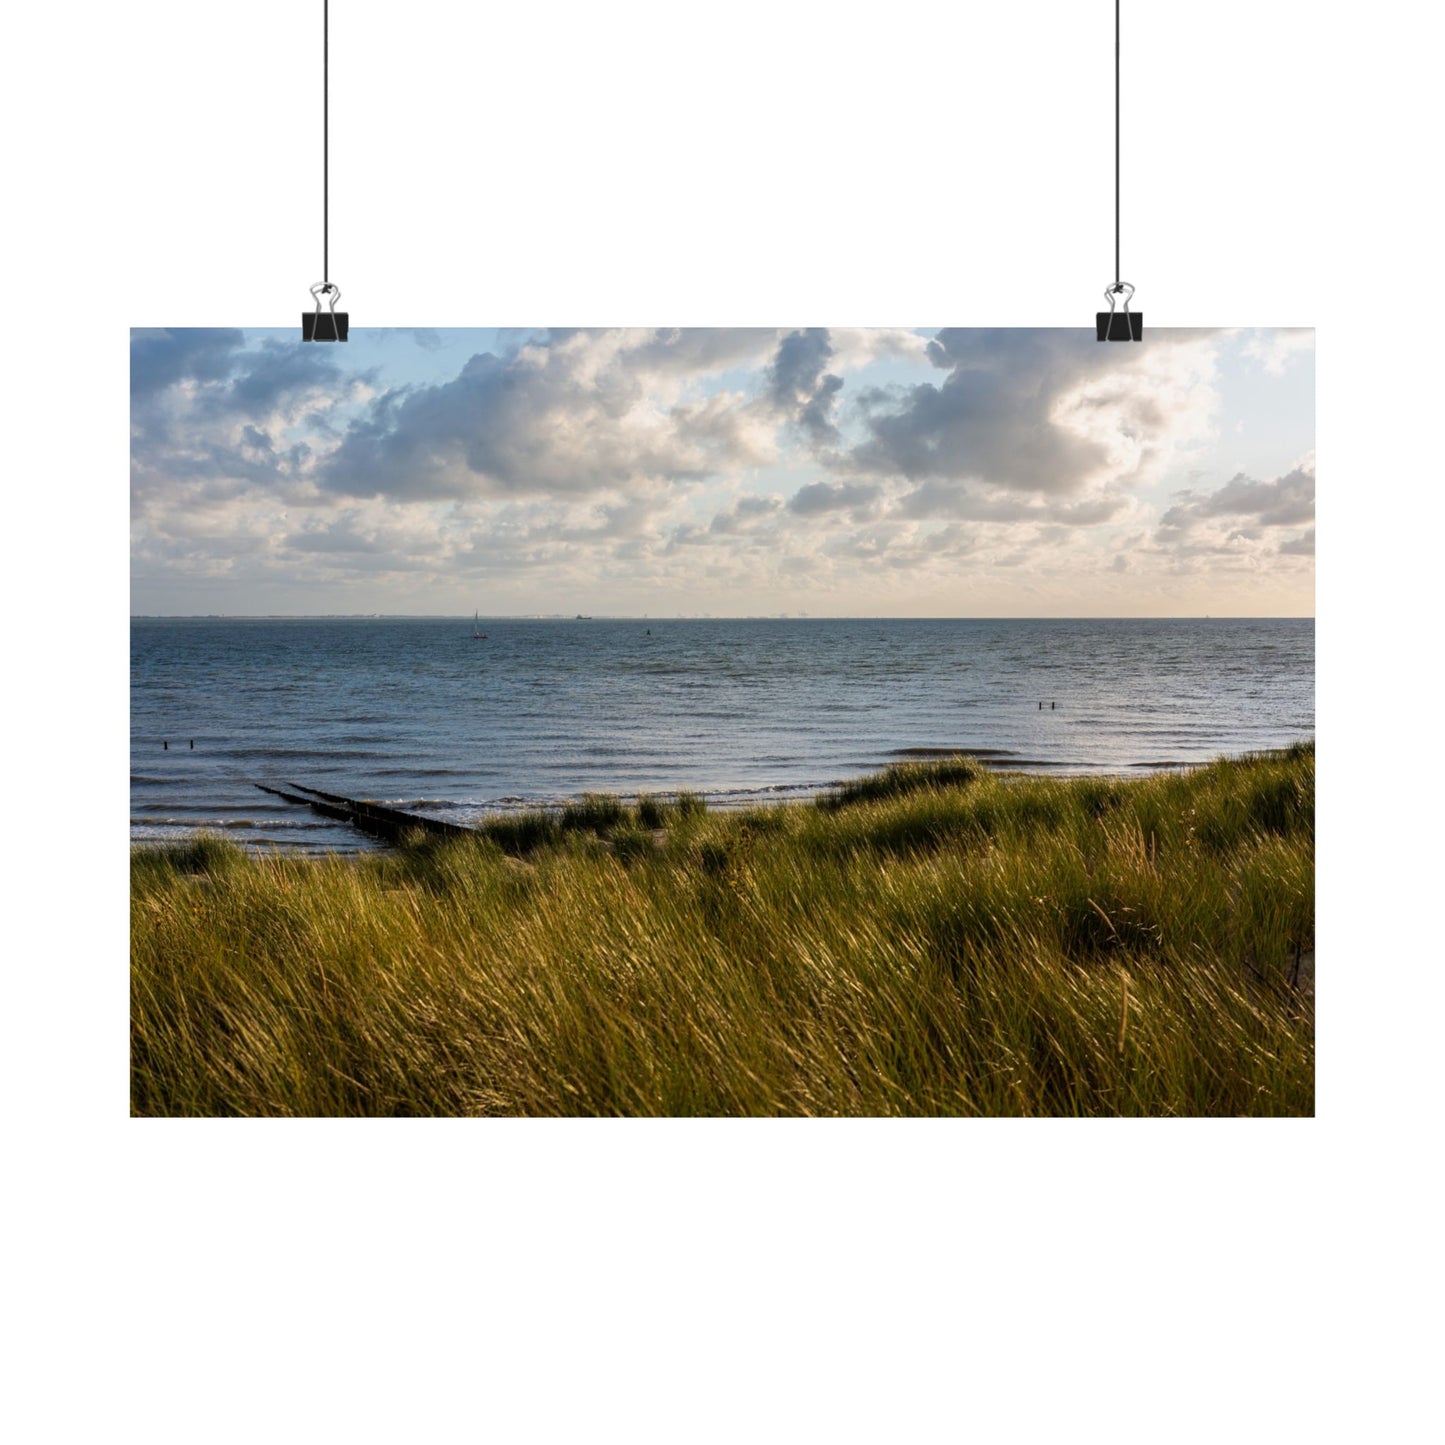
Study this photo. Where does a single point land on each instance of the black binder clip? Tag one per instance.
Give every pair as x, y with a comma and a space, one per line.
1121, 326
327, 325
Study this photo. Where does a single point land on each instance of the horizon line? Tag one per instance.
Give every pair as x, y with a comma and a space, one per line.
713, 617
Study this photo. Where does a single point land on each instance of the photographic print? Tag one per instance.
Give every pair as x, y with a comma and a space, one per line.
798, 721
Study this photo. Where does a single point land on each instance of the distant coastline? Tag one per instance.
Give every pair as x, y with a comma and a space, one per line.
707, 617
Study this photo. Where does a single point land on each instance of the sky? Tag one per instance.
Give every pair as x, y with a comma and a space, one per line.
724, 472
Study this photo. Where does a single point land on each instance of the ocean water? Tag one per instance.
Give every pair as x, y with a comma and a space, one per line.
414, 712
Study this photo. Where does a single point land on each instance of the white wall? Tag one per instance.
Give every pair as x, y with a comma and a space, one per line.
789, 162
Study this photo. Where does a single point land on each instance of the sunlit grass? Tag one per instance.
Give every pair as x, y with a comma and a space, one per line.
943, 941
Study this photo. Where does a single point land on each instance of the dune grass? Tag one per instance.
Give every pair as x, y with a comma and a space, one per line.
941, 940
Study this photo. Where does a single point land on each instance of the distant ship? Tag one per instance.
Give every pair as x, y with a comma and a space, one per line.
477, 634
583, 617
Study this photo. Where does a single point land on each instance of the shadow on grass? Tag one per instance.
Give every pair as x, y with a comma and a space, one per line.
898, 780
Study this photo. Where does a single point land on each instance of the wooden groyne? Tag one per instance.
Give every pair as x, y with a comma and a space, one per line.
376, 819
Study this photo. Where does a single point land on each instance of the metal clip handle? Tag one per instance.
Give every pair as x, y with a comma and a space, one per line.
331, 291
1111, 293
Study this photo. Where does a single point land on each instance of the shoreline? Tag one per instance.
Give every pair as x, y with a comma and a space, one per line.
723, 801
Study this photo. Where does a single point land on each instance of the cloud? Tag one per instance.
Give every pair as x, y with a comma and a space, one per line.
959, 501
678, 462
570, 452
821, 497
213, 419
689, 350
224, 437
576, 413
279, 377
984, 421
1276, 350
855, 347
161, 358
1287, 501
799, 387
745, 515
1040, 413
1244, 517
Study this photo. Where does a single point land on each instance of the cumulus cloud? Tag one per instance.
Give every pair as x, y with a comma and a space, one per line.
745, 515
201, 401
741, 460
801, 389
161, 358
1035, 425
1287, 501
575, 413
855, 347
1244, 517
989, 419
944, 498
820, 497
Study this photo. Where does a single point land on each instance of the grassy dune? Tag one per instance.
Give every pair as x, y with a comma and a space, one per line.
932, 940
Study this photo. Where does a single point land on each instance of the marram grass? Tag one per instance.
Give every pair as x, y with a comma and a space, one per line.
938, 940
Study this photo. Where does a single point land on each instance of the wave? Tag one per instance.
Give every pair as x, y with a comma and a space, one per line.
951, 752
195, 825
781, 707
327, 754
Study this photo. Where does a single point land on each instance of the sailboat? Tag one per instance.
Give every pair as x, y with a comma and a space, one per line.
477, 634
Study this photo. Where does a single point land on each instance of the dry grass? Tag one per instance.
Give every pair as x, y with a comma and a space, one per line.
943, 942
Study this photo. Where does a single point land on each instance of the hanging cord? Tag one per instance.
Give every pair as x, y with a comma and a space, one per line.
333, 326
326, 139
1130, 325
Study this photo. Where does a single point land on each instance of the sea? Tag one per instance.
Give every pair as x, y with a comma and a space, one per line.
418, 713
